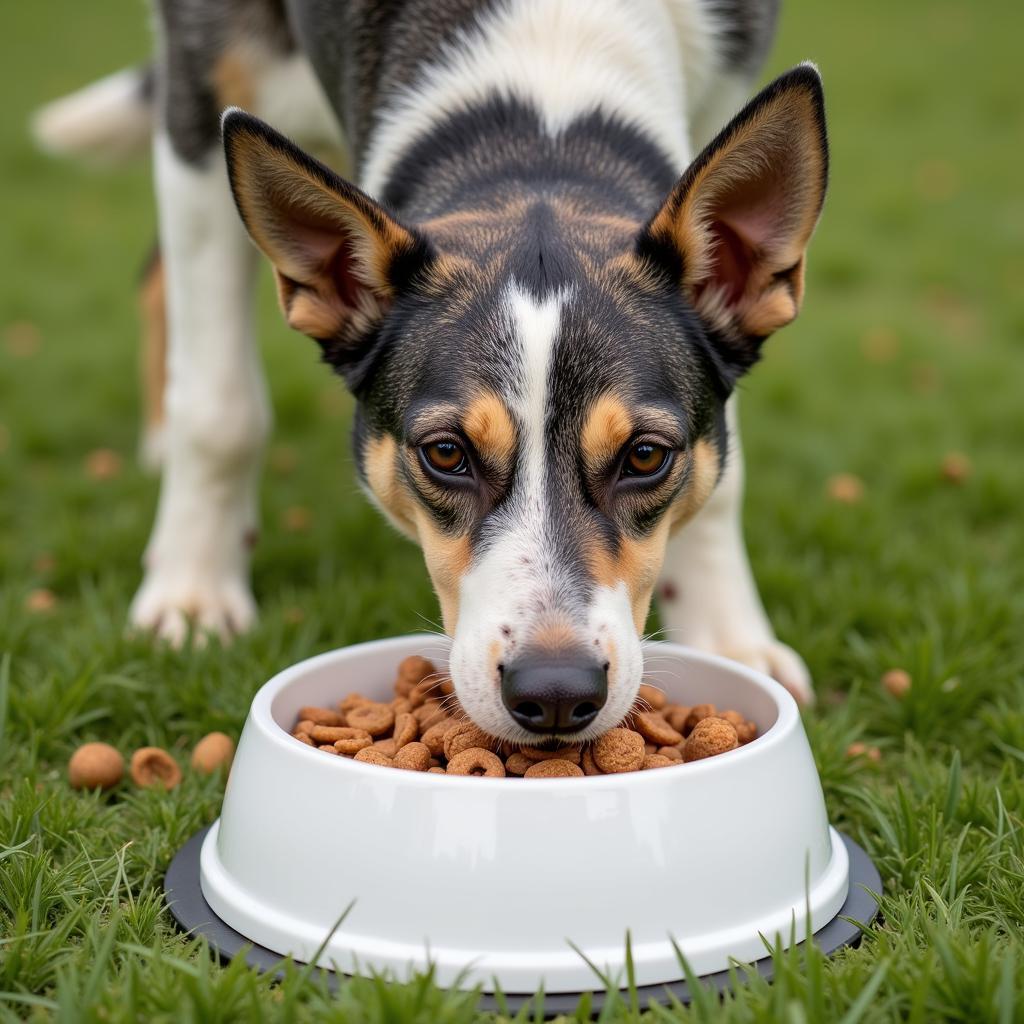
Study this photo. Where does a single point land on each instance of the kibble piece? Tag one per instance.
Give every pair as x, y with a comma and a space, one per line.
353, 700
863, 750
329, 748
322, 716
619, 750
385, 746
657, 761
95, 765
653, 727
329, 733
376, 719
651, 697
672, 753
436, 770
429, 715
414, 757
464, 736
304, 725
567, 753
476, 761
676, 716
956, 467
434, 736
697, 714
371, 755
303, 737
896, 682
518, 763
352, 741
422, 692
745, 731
588, 763
415, 669
152, 766
846, 488
214, 751
407, 729
401, 706
710, 736
556, 768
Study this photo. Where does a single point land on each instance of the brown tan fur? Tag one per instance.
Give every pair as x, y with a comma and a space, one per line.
448, 559
705, 467
153, 356
489, 426
637, 564
608, 427
380, 467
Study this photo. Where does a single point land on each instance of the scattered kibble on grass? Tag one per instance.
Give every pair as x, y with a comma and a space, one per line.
956, 467
22, 338
103, 464
846, 488
858, 749
40, 601
896, 682
95, 766
297, 519
152, 766
213, 752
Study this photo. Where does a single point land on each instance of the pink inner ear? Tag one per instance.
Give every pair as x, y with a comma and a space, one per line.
730, 262
342, 272
750, 217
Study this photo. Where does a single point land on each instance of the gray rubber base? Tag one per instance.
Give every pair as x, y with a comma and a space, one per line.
193, 914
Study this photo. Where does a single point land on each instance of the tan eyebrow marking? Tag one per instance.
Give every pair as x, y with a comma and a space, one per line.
489, 426
608, 427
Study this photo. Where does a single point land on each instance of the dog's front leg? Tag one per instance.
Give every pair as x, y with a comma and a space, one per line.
708, 596
197, 560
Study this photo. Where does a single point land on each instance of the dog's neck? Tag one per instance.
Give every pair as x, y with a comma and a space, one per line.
584, 101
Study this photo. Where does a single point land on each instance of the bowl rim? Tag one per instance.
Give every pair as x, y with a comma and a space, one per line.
261, 717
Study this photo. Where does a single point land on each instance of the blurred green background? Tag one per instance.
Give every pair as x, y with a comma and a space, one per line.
910, 347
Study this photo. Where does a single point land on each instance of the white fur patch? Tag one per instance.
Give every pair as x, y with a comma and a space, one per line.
517, 586
632, 59
107, 121
197, 561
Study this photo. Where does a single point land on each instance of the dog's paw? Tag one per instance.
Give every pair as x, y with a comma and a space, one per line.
779, 661
176, 605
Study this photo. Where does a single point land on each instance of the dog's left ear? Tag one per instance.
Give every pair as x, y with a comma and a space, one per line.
735, 228
339, 257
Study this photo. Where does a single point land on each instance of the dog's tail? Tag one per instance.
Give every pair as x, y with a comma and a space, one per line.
107, 122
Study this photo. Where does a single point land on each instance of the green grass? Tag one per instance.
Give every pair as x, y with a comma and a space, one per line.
911, 345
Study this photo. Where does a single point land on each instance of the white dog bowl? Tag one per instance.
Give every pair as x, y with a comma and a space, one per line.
490, 880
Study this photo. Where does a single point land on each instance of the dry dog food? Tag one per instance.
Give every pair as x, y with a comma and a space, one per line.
422, 729
95, 764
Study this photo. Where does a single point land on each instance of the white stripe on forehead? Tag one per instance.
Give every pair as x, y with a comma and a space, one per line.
631, 59
535, 327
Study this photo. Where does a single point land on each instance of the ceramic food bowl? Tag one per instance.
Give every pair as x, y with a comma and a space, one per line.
495, 880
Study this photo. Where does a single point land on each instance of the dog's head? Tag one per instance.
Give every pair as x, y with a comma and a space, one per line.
541, 383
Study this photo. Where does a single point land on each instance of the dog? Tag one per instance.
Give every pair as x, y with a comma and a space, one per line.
541, 294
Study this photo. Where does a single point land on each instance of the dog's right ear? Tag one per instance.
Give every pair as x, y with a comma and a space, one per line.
339, 257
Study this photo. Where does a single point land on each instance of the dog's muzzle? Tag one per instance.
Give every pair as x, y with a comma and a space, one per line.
547, 695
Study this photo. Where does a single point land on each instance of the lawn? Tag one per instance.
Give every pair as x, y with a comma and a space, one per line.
911, 346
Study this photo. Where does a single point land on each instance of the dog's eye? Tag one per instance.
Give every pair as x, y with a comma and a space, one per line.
645, 459
446, 457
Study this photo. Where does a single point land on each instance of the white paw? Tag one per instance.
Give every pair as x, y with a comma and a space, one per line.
779, 661
174, 605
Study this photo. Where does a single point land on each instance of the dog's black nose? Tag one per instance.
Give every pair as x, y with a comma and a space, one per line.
551, 696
